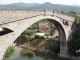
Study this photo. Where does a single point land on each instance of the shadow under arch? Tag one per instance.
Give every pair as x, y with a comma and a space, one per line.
62, 35
5, 31
59, 27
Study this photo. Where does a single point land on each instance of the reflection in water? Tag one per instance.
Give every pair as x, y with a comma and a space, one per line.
23, 54
29, 55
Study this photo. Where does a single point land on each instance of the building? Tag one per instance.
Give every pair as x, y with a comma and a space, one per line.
43, 27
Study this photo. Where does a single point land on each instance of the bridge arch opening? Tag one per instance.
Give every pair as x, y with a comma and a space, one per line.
4, 31
62, 35
59, 27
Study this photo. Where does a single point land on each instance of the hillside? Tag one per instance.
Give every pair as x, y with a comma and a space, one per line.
56, 7
19, 5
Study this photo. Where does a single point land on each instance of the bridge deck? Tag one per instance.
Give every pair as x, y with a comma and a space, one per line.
12, 15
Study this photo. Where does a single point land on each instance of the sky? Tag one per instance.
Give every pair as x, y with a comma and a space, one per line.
63, 2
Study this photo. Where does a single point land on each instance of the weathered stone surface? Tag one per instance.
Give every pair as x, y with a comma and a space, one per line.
75, 58
19, 19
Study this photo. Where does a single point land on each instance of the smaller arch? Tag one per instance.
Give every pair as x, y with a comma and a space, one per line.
65, 23
4, 31
70, 24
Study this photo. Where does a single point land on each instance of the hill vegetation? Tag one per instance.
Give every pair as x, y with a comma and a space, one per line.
56, 7
19, 5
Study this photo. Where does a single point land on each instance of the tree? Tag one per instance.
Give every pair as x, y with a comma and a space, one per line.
47, 34
52, 31
28, 34
74, 42
73, 14
55, 48
9, 52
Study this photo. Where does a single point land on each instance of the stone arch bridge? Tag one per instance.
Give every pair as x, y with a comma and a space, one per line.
15, 21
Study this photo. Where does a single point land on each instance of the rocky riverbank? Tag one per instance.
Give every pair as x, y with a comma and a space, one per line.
37, 45
40, 45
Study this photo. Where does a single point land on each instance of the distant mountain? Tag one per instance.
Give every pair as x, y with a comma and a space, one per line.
77, 5
19, 5
56, 7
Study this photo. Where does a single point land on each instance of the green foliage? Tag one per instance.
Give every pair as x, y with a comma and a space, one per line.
55, 48
47, 34
28, 32
78, 20
73, 14
51, 32
9, 52
74, 42
35, 25
39, 37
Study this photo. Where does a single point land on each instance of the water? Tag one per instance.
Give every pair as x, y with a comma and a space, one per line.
24, 54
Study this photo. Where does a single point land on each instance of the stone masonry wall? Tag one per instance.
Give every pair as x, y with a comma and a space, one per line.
19, 19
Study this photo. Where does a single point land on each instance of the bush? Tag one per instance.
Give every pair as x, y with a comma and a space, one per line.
39, 37
74, 43
55, 48
9, 52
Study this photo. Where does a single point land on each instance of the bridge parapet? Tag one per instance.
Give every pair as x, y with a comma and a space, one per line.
64, 17
48, 11
7, 15
12, 14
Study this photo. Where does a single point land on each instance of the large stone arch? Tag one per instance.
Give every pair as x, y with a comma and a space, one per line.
19, 22
63, 40
62, 33
19, 26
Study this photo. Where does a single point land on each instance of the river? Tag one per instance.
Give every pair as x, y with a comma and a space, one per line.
24, 54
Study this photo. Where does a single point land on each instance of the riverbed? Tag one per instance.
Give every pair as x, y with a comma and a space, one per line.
24, 54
